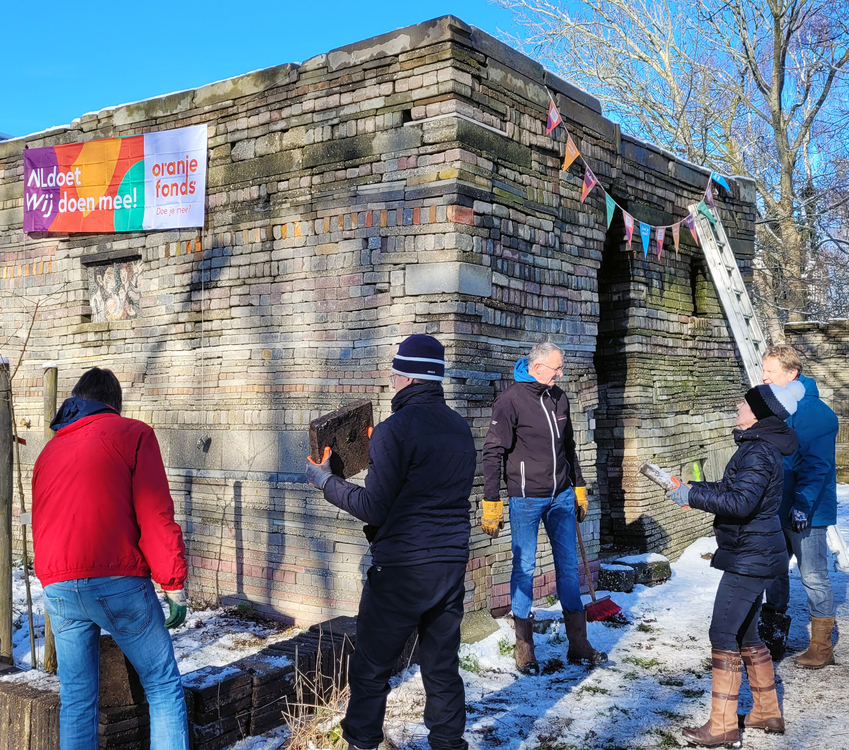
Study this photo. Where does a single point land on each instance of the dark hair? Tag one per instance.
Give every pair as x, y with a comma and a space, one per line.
99, 385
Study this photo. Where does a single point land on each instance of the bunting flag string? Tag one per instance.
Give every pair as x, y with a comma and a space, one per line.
629, 227
645, 233
590, 181
554, 118
571, 153
610, 204
691, 225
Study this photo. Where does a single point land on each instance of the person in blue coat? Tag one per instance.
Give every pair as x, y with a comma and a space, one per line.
808, 508
751, 552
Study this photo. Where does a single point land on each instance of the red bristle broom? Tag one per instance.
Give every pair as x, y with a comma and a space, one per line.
597, 609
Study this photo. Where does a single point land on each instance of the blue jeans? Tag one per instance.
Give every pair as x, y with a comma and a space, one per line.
810, 548
127, 607
558, 516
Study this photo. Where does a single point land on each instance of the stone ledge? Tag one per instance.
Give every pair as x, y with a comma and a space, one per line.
448, 278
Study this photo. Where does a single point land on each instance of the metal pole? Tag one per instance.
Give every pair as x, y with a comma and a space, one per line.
51, 374
6, 655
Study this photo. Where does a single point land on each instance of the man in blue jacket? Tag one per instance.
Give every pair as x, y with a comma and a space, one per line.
416, 506
530, 444
808, 508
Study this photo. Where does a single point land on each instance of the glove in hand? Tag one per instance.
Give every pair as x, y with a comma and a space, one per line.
798, 520
177, 608
582, 505
318, 474
680, 494
493, 517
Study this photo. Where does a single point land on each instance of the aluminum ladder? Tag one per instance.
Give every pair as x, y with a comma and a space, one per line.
747, 331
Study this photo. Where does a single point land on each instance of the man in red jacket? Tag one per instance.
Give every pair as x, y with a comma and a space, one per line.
103, 525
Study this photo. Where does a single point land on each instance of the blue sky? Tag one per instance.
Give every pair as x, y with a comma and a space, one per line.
59, 64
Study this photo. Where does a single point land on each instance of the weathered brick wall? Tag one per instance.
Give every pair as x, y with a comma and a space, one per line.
404, 184
825, 352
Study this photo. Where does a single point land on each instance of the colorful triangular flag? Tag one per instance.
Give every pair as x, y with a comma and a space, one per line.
645, 233
554, 118
709, 196
676, 236
691, 225
611, 208
720, 180
590, 181
661, 235
571, 153
629, 227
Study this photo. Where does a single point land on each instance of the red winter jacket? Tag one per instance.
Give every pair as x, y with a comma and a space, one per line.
101, 505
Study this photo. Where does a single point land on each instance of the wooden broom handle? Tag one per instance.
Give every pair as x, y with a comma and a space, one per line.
584, 558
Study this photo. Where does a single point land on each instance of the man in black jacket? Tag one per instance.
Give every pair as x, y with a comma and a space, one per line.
531, 444
416, 506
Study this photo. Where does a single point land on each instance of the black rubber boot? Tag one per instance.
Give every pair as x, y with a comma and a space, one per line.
773, 628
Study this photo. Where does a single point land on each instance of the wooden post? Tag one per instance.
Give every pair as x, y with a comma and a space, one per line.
51, 372
6, 655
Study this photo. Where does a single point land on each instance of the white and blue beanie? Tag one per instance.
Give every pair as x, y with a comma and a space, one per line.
420, 356
772, 400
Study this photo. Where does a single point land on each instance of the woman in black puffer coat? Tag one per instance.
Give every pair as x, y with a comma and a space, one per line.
752, 552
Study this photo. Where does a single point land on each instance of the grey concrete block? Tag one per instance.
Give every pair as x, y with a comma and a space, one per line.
616, 578
476, 626
650, 569
449, 277
249, 450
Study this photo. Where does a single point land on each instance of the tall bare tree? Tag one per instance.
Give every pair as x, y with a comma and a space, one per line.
754, 87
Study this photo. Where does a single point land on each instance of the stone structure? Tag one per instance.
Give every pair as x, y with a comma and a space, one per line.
825, 353
403, 184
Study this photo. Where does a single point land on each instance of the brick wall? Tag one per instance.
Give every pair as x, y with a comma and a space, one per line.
403, 184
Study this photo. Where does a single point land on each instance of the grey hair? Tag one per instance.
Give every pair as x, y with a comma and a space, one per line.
541, 351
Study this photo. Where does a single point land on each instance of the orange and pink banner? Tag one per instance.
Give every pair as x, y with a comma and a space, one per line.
128, 184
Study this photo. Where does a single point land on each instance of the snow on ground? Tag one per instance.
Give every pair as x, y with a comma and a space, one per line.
657, 680
211, 637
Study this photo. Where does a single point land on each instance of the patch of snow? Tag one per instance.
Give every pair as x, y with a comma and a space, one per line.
611, 566
648, 557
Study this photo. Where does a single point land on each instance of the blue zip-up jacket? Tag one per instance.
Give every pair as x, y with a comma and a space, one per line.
810, 474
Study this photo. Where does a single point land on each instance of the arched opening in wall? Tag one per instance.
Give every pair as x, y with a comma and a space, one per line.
614, 294
700, 285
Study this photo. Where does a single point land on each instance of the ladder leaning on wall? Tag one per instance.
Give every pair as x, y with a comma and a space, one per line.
728, 281
747, 331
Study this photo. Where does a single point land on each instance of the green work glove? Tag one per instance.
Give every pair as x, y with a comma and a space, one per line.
176, 608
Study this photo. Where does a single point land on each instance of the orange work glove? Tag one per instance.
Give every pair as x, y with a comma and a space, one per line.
582, 505
493, 517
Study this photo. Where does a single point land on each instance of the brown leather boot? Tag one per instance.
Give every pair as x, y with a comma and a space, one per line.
819, 653
580, 649
721, 728
766, 713
526, 660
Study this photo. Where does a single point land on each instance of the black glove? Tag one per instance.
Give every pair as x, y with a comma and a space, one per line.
318, 474
798, 520
370, 530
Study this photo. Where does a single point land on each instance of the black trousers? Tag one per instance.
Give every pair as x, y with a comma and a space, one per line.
735, 611
396, 602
